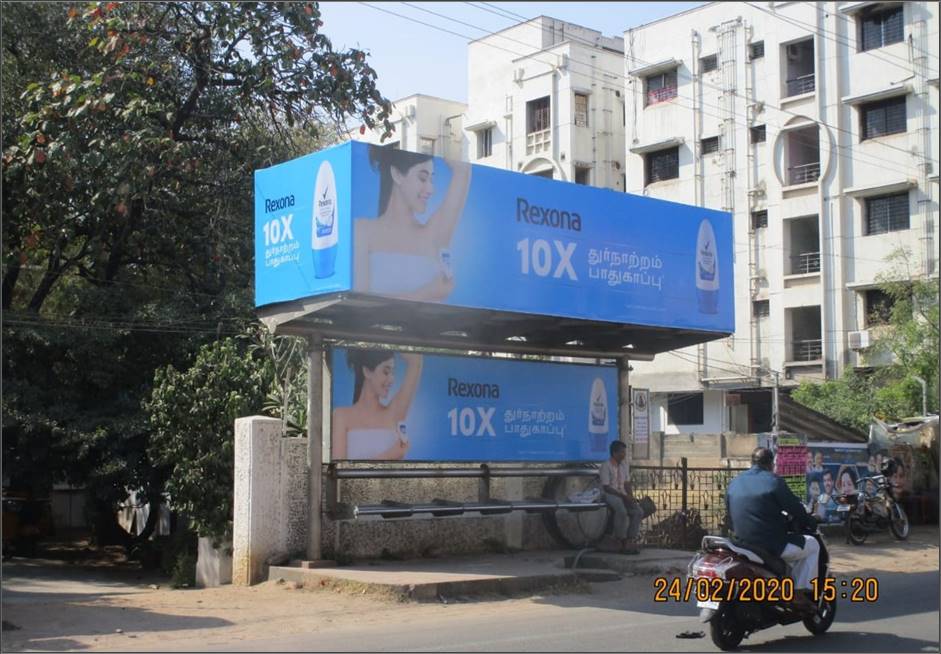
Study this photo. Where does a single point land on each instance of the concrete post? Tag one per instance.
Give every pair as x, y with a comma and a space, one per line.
314, 443
624, 403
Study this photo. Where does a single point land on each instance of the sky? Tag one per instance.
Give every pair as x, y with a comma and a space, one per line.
411, 57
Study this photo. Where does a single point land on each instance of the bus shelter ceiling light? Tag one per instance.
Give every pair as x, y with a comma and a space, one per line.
629, 346
455, 333
575, 342
518, 339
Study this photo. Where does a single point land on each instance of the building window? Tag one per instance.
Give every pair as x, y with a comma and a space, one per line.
537, 115
582, 175
581, 110
661, 87
887, 213
758, 133
662, 165
762, 308
685, 408
426, 146
882, 117
799, 66
880, 26
484, 143
878, 307
708, 64
759, 219
756, 50
710, 145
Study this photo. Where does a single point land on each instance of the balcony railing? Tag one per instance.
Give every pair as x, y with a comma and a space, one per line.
800, 85
805, 262
808, 350
804, 173
660, 95
537, 142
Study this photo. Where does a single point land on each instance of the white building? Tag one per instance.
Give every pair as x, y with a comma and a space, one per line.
816, 125
423, 123
545, 97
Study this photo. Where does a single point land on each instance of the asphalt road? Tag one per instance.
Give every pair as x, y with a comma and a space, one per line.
621, 616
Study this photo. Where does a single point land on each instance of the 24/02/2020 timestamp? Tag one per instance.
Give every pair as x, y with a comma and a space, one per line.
760, 589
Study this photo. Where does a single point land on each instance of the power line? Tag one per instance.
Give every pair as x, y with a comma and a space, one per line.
721, 90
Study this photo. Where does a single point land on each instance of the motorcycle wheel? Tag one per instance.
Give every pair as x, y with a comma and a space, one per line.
725, 632
820, 621
898, 522
856, 532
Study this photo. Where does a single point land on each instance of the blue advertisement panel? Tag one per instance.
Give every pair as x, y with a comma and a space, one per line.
448, 232
302, 227
390, 405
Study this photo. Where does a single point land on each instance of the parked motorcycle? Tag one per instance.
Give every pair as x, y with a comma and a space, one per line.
729, 571
873, 508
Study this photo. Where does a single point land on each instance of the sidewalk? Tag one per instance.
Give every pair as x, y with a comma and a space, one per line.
489, 574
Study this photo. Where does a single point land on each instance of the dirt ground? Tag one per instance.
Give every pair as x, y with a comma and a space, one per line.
110, 605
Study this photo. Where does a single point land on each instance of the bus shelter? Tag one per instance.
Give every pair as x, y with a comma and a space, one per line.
360, 248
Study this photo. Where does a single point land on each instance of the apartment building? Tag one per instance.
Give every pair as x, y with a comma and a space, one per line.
816, 125
423, 123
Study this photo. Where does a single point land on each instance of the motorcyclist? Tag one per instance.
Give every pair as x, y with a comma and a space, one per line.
754, 501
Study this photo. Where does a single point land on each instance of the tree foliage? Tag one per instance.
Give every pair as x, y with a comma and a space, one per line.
910, 339
129, 142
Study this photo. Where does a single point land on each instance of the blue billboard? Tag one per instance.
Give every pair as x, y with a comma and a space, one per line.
416, 227
390, 405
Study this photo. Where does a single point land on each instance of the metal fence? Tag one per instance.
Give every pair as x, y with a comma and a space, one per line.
805, 262
800, 85
690, 502
804, 173
807, 350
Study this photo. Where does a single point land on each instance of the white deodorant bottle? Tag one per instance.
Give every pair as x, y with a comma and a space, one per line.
324, 224
707, 269
598, 416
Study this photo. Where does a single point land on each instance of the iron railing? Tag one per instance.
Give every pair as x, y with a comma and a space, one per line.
801, 85
804, 173
660, 95
808, 349
805, 262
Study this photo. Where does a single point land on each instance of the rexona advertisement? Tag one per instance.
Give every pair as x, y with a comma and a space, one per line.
390, 405
393, 223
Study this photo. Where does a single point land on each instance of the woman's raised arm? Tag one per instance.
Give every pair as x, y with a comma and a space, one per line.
445, 219
403, 399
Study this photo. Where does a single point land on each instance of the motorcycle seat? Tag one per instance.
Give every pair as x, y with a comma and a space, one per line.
774, 563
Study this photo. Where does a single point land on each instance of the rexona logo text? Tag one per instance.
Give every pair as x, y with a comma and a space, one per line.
279, 203
547, 216
324, 222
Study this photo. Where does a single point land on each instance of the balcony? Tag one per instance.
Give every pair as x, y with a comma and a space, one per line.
807, 350
803, 174
805, 263
800, 85
537, 142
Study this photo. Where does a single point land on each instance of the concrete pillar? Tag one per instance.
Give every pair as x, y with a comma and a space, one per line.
624, 403
315, 444
255, 529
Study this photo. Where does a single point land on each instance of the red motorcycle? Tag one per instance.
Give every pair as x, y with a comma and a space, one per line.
741, 590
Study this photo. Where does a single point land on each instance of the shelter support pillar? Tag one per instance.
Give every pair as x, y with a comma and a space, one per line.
314, 445
624, 402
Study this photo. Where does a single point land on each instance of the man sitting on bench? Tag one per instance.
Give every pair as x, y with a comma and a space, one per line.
619, 495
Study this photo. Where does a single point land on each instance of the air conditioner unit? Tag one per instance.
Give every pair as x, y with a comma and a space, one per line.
859, 340
793, 52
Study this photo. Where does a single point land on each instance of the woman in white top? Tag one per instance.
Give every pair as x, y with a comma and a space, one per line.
395, 254
370, 429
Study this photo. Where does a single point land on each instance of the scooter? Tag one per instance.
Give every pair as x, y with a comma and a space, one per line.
741, 590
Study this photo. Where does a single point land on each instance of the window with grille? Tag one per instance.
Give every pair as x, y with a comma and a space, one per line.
708, 64
710, 145
537, 115
582, 175
485, 143
663, 165
426, 146
758, 134
685, 408
878, 307
762, 308
756, 50
759, 219
881, 26
887, 213
883, 117
581, 110
661, 87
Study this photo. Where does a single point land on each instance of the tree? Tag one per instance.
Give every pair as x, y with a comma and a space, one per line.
129, 144
911, 338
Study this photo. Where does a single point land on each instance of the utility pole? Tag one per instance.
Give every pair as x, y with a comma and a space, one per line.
924, 394
774, 403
